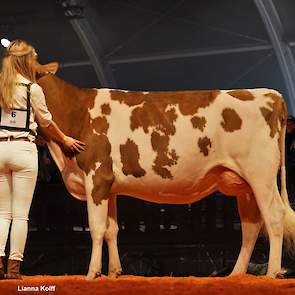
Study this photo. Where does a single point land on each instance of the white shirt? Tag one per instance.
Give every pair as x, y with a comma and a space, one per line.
38, 111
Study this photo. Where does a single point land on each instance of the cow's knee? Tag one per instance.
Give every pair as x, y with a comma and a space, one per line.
98, 232
276, 216
112, 230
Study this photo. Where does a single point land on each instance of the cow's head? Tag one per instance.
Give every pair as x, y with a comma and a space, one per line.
50, 68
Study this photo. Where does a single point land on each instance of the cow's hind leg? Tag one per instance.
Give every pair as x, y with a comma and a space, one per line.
251, 224
230, 183
272, 211
110, 237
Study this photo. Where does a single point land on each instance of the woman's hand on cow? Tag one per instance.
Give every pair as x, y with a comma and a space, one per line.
73, 145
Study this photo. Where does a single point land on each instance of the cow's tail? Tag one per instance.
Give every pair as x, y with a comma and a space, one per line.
289, 220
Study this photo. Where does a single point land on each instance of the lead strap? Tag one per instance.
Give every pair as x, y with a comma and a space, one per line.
28, 86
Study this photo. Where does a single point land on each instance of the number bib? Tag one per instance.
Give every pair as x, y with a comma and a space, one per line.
14, 119
17, 119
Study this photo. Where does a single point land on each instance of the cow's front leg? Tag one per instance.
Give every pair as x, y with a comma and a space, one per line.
97, 216
111, 236
97, 190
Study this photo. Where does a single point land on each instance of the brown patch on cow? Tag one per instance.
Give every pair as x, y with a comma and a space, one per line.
242, 94
204, 144
102, 181
188, 102
164, 157
105, 109
156, 110
154, 115
231, 120
69, 106
130, 159
98, 150
199, 122
100, 124
276, 115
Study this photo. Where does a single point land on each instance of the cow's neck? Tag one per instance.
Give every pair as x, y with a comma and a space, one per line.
68, 104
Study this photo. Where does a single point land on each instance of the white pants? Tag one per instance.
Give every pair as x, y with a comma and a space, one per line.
18, 175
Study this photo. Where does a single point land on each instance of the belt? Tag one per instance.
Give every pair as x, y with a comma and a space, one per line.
11, 138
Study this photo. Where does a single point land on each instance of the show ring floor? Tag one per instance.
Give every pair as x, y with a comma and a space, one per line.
133, 285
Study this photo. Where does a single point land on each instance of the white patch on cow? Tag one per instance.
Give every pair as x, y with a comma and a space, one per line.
97, 165
89, 184
102, 97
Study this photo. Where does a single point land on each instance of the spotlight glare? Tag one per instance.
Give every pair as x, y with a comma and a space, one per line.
5, 42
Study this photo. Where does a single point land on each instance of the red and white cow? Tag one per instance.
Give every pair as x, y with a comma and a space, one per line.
175, 148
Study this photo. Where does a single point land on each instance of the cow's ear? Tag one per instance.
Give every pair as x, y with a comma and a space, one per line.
50, 68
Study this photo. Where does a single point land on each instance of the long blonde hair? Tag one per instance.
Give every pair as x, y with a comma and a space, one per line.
19, 58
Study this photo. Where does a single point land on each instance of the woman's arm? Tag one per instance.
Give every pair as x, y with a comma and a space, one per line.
69, 143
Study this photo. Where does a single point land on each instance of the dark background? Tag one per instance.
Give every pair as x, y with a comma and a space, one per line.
148, 45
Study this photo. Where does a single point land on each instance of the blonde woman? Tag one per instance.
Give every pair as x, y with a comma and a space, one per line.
23, 108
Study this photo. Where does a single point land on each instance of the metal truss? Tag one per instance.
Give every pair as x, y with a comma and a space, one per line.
188, 53
282, 49
75, 64
175, 55
75, 11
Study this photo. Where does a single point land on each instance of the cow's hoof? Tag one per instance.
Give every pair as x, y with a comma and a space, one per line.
93, 275
115, 274
281, 274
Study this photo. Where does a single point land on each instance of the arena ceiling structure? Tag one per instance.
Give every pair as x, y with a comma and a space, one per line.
161, 44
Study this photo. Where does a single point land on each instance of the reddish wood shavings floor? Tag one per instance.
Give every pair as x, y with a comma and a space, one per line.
132, 285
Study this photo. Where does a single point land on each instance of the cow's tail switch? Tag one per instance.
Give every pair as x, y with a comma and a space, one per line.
289, 221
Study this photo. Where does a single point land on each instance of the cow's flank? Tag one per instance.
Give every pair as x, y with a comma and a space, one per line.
231, 120
156, 111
